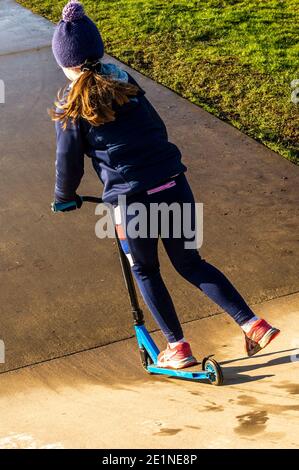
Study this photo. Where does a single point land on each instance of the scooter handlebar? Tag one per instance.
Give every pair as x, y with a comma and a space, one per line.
94, 199
71, 205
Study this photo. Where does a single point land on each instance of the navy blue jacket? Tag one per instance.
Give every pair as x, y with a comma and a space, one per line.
130, 154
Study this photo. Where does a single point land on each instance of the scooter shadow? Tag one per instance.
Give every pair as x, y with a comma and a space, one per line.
235, 374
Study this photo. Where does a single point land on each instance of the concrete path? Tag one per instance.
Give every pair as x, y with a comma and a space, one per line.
102, 398
62, 291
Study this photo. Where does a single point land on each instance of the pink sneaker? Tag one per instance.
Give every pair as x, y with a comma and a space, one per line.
176, 358
260, 335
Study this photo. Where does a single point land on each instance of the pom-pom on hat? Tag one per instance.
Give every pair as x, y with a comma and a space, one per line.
76, 37
73, 11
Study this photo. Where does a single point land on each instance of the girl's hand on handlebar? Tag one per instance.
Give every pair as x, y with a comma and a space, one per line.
67, 206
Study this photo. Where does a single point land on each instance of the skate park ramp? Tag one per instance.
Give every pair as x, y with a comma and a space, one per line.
65, 317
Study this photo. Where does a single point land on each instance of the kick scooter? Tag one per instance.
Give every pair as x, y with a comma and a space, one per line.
211, 370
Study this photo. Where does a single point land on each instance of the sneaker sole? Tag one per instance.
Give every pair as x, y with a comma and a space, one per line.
187, 362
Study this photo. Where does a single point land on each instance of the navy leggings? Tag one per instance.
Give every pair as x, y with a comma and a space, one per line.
143, 256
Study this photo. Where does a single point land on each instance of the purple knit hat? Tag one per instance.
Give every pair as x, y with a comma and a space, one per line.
76, 38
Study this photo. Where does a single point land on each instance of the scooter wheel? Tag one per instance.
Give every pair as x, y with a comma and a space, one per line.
212, 366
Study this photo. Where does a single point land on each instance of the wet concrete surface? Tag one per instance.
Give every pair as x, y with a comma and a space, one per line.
61, 287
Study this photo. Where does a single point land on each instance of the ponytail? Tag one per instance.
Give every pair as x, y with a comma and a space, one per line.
92, 97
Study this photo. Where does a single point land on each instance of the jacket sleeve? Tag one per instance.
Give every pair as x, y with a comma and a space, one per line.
69, 160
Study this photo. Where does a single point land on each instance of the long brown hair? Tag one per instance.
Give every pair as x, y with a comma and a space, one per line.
91, 97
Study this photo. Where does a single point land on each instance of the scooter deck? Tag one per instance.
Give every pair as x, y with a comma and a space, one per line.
187, 373
148, 347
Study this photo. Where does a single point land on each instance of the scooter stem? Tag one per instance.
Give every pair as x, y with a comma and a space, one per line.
127, 273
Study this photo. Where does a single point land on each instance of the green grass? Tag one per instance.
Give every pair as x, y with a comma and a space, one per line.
236, 59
